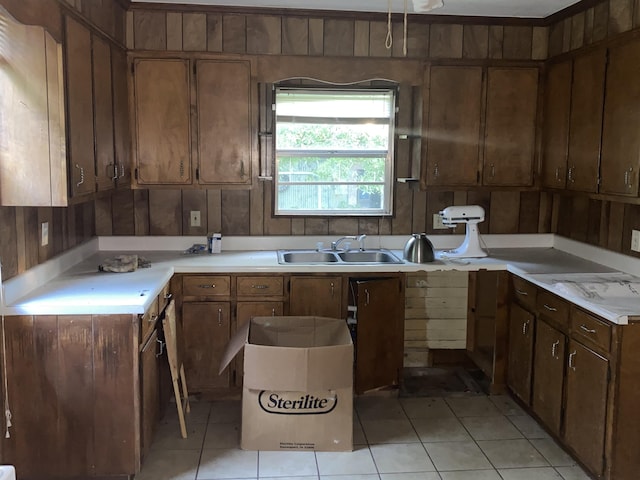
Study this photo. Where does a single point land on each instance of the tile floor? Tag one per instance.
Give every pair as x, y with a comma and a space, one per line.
453, 438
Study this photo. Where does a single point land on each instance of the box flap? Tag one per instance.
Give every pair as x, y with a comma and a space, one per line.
234, 346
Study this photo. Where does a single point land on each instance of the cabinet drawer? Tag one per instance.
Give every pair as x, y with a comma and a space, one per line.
524, 292
206, 285
148, 320
553, 308
259, 286
587, 327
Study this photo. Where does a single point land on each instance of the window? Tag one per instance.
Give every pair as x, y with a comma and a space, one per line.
334, 151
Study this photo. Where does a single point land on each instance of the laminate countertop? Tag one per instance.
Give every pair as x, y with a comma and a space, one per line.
82, 289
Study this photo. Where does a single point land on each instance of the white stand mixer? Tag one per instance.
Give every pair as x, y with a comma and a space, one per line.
470, 215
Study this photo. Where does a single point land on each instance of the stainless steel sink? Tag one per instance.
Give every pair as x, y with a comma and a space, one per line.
366, 257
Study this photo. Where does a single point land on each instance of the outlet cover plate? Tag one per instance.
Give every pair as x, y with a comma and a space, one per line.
44, 236
437, 222
195, 218
635, 240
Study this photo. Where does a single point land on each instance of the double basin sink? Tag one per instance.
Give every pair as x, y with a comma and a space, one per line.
333, 257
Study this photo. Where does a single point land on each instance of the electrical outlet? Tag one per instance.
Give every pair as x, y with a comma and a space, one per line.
195, 218
44, 236
437, 222
635, 240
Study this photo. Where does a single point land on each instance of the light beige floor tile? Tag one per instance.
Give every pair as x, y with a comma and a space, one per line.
450, 456
529, 474
218, 463
411, 476
506, 405
369, 476
389, 431
308, 477
448, 429
379, 408
278, 464
572, 473
471, 475
528, 426
222, 435
168, 437
512, 453
225, 411
357, 462
555, 455
170, 465
358, 433
490, 428
398, 458
199, 413
479, 406
426, 407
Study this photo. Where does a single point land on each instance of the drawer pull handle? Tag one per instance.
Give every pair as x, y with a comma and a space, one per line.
159, 354
551, 309
260, 287
167, 296
219, 317
525, 327
572, 365
153, 318
203, 285
584, 328
554, 349
522, 292
332, 289
273, 312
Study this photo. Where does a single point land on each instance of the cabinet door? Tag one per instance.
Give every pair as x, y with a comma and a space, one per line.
548, 375
620, 139
510, 130
453, 126
585, 131
79, 92
149, 392
161, 104
557, 105
206, 331
586, 405
318, 296
379, 337
121, 126
521, 328
103, 110
224, 121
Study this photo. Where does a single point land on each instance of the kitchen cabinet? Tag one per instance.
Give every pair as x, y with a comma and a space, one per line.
121, 123
162, 121
225, 122
379, 304
620, 140
585, 131
317, 295
522, 326
79, 102
453, 125
510, 126
555, 139
149, 391
106, 169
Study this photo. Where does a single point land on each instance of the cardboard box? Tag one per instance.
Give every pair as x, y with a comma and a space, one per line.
298, 383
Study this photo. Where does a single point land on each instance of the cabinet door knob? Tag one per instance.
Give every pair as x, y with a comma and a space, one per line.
554, 348
525, 327
572, 365
204, 285
219, 317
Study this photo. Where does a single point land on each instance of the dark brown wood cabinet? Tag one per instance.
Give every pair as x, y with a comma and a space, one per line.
149, 391
79, 103
587, 97
452, 131
555, 138
161, 89
522, 326
121, 119
620, 161
510, 126
106, 169
317, 295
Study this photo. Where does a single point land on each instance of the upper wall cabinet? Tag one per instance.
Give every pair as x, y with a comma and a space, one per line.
452, 133
620, 159
555, 140
215, 97
162, 121
587, 95
510, 130
32, 144
121, 123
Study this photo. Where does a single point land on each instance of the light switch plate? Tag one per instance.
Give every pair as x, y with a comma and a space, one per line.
437, 222
635, 240
44, 238
195, 218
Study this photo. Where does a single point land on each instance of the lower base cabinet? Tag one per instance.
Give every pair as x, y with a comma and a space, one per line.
521, 333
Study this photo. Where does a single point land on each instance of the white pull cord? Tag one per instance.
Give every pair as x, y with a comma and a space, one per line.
7, 410
389, 40
404, 36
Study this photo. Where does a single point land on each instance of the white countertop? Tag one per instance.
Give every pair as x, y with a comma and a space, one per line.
75, 286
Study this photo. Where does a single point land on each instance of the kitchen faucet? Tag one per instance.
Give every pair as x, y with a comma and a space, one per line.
359, 238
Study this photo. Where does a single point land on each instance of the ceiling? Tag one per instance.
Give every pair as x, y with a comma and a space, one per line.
483, 8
